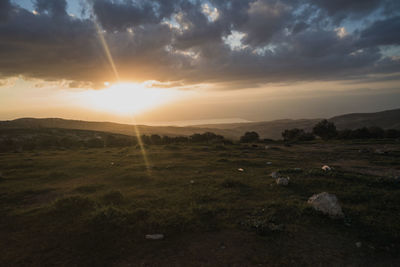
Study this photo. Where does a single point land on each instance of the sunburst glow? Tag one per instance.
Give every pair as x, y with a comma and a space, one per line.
129, 98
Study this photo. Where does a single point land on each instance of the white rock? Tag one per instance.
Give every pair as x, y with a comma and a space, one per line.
282, 181
358, 244
327, 204
241, 169
192, 181
326, 168
269, 163
154, 237
275, 175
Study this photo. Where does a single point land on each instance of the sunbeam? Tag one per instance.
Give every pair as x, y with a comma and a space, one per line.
114, 68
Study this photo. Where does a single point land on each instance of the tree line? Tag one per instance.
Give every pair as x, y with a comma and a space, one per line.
326, 130
9, 143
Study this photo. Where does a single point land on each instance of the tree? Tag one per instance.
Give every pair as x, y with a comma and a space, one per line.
392, 133
155, 139
325, 129
250, 137
296, 134
376, 132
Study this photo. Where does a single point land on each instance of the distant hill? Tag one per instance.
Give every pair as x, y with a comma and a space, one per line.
269, 129
389, 119
126, 129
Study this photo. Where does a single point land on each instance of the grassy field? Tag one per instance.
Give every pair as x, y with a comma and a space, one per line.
93, 207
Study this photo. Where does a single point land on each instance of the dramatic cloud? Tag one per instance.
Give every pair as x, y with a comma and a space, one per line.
240, 43
5, 8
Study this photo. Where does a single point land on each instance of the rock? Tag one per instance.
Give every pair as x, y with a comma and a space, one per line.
241, 169
327, 204
275, 175
358, 244
192, 181
155, 237
282, 181
269, 163
266, 147
326, 168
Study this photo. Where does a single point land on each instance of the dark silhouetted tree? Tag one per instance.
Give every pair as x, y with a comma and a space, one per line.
392, 133
250, 137
155, 139
296, 134
376, 132
325, 130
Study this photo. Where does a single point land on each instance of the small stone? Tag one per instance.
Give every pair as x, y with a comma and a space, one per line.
112, 163
155, 237
327, 204
326, 168
282, 181
267, 147
241, 169
358, 244
275, 175
192, 181
269, 163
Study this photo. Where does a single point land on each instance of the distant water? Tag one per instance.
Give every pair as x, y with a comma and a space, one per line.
197, 122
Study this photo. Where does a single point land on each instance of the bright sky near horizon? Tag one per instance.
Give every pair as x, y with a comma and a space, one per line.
191, 60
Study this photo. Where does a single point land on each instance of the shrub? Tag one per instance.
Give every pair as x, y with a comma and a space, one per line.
297, 135
250, 137
325, 129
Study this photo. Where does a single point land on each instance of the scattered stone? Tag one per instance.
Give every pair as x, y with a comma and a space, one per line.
241, 169
327, 204
112, 163
155, 237
282, 181
358, 244
267, 147
275, 175
192, 181
326, 168
269, 163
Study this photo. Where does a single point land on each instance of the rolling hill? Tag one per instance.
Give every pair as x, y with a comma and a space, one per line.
269, 129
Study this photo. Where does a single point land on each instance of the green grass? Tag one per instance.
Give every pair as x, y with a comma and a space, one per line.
93, 207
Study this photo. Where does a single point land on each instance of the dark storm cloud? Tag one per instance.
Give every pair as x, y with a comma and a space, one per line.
185, 42
56, 8
5, 8
382, 32
116, 16
346, 6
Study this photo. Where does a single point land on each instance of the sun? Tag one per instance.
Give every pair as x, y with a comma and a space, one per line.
129, 98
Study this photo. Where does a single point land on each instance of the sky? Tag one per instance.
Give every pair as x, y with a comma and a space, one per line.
179, 61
